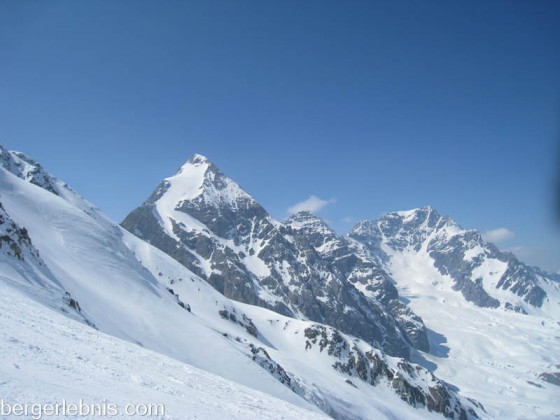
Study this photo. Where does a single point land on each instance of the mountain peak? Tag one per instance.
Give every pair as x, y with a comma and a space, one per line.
420, 212
196, 163
304, 215
418, 223
309, 221
198, 159
201, 185
29, 170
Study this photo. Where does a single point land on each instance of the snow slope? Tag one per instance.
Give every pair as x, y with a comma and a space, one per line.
493, 356
86, 254
45, 357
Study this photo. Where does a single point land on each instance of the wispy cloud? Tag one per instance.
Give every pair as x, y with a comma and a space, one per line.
313, 204
498, 235
347, 219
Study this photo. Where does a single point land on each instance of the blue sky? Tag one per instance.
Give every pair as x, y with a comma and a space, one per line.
369, 106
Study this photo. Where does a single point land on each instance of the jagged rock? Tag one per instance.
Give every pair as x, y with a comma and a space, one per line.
551, 377
461, 254
348, 260
412, 383
245, 321
209, 224
24, 167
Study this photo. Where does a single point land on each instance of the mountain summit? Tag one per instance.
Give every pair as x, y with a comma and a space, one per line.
208, 223
484, 275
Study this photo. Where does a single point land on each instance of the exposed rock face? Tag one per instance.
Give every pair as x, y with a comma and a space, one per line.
348, 260
551, 377
412, 383
14, 240
477, 268
18, 252
208, 223
25, 168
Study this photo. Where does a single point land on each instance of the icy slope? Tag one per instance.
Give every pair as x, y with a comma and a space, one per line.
501, 356
46, 357
207, 222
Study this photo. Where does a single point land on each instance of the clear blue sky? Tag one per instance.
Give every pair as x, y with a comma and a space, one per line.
375, 105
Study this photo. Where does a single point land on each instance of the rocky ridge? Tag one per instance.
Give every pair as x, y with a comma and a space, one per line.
212, 226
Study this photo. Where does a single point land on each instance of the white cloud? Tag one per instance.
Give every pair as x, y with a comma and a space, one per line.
347, 219
313, 204
498, 235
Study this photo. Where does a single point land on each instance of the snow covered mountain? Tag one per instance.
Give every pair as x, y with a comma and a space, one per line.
350, 261
212, 226
61, 256
493, 322
484, 275
413, 283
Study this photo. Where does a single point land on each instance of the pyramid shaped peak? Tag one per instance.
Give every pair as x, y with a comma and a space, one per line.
198, 178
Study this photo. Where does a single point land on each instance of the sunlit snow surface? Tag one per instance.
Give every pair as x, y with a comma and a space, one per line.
492, 355
46, 357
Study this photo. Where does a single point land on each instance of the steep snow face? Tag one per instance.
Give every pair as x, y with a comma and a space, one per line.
21, 267
135, 292
210, 225
42, 352
496, 343
484, 275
